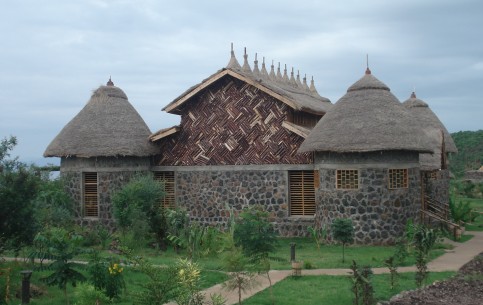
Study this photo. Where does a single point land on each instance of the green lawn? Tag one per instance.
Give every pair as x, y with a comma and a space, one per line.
333, 290
477, 205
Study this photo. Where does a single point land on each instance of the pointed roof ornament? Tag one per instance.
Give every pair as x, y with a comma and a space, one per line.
246, 66
413, 95
279, 75
256, 71
306, 87
312, 85
299, 83
272, 72
264, 72
233, 63
285, 75
109, 82
368, 71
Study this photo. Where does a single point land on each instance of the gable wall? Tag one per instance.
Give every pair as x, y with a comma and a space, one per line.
232, 123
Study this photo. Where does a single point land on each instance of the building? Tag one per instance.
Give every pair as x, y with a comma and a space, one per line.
249, 136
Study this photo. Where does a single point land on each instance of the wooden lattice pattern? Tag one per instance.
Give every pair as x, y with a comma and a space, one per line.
169, 199
398, 178
302, 193
347, 179
91, 206
233, 123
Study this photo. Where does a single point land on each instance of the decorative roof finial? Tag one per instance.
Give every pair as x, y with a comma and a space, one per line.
292, 79
256, 71
109, 82
233, 63
368, 71
299, 83
413, 94
264, 69
246, 66
285, 75
272, 72
306, 87
279, 75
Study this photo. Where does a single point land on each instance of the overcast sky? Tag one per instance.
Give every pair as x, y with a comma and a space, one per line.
54, 53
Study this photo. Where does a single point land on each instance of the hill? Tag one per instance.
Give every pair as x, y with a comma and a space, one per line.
470, 152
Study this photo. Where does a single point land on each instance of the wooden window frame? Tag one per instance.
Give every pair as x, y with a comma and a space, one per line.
398, 178
168, 177
302, 192
90, 194
347, 179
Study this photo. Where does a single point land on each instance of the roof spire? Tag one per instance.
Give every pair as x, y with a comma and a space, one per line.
299, 83
264, 69
368, 71
272, 72
279, 75
306, 87
413, 94
109, 82
256, 71
233, 63
285, 75
246, 66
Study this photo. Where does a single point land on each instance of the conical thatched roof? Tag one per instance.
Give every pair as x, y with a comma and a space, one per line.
420, 110
367, 118
107, 126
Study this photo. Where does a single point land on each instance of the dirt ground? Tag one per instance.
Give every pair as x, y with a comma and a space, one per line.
466, 288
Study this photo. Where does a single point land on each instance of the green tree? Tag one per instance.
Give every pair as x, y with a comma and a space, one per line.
254, 233
343, 232
62, 248
142, 196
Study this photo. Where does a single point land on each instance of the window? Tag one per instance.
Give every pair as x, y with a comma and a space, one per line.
91, 206
347, 179
398, 178
302, 193
169, 198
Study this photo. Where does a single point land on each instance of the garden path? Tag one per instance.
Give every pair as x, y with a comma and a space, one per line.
452, 260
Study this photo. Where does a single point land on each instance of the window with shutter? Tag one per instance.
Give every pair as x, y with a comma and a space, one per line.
302, 193
91, 206
169, 188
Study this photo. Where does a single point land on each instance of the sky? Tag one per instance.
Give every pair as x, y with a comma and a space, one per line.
54, 53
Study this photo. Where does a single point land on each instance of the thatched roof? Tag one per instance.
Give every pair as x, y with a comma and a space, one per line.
290, 91
367, 118
107, 126
420, 110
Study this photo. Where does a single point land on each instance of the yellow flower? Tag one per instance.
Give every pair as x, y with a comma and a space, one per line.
115, 266
121, 269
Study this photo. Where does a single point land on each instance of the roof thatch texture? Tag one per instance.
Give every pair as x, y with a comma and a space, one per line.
426, 118
297, 95
368, 118
107, 126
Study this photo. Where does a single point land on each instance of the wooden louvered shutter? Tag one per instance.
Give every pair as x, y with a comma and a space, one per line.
91, 207
169, 200
302, 193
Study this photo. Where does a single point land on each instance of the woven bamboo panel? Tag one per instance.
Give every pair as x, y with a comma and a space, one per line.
233, 123
91, 206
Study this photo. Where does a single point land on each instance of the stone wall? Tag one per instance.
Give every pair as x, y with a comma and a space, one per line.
112, 174
379, 214
437, 185
209, 195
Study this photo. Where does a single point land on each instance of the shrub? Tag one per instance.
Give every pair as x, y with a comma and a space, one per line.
254, 233
343, 232
423, 241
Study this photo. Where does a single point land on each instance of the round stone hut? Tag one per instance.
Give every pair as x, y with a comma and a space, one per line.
434, 167
367, 150
101, 148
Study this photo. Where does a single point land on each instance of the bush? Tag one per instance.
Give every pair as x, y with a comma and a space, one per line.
343, 232
138, 200
254, 233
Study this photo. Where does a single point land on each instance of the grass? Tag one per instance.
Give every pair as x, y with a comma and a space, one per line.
55, 296
477, 205
334, 290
